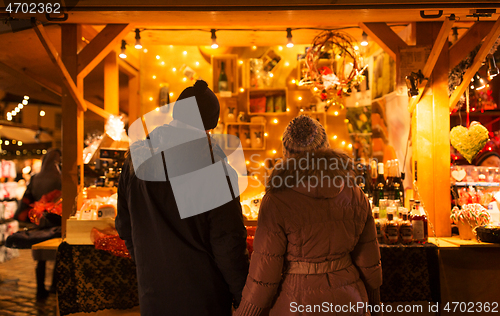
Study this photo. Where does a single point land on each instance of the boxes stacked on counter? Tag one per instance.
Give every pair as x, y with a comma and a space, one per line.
97, 211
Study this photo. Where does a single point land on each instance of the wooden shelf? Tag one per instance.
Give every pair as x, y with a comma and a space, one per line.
265, 98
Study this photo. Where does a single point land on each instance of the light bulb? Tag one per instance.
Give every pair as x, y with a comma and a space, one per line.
289, 43
42, 113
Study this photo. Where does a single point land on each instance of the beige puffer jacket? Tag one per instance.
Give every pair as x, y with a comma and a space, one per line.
313, 226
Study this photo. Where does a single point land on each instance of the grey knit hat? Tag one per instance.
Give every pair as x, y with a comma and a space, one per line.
304, 134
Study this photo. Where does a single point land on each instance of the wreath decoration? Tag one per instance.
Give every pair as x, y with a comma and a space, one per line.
342, 73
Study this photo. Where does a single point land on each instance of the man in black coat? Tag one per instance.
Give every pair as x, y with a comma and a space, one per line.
187, 263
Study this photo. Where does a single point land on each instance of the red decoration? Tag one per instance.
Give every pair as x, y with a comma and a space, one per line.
50, 202
108, 240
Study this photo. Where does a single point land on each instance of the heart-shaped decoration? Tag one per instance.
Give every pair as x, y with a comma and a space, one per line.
470, 141
458, 175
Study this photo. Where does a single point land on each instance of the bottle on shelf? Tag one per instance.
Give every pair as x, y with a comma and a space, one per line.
373, 172
381, 176
410, 208
378, 194
405, 229
389, 180
223, 83
391, 229
378, 225
397, 194
419, 222
397, 179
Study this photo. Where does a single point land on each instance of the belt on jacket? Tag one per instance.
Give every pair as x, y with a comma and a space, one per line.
301, 267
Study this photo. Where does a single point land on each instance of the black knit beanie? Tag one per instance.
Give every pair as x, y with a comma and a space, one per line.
207, 101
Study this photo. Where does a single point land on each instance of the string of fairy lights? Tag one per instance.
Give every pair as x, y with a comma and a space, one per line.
215, 45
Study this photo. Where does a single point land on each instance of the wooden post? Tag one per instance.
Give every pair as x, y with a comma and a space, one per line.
430, 138
111, 84
72, 126
134, 100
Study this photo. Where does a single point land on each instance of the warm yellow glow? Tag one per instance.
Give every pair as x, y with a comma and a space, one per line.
343, 142
184, 79
154, 77
184, 52
271, 74
162, 63
293, 81
301, 110
145, 50
42, 113
9, 117
280, 47
265, 134
350, 145
242, 90
287, 109
25, 102
300, 98
150, 98
157, 56
171, 46
346, 121
13, 141
7, 142
274, 151
254, 47
356, 47
336, 113
334, 136
157, 109
171, 94
287, 64
26, 97
174, 69
262, 164
197, 63
240, 62
275, 121
247, 162
315, 89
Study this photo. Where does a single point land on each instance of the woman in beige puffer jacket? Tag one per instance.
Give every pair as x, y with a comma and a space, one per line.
315, 248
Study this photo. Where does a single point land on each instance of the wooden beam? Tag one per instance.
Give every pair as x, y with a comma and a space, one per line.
385, 37
72, 127
44, 82
469, 41
92, 54
30, 80
439, 44
127, 69
61, 68
478, 60
111, 84
134, 99
97, 110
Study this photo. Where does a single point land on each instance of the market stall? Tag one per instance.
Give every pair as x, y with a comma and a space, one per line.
387, 104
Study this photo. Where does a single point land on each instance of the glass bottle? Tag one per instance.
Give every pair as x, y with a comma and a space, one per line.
223, 84
391, 229
389, 180
406, 229
397, 179
378, 225
419, 222
397, 193
373, 169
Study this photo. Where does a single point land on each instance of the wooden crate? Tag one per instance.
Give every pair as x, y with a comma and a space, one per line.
231, 68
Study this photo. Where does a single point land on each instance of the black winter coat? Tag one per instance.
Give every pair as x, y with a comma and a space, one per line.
192, 266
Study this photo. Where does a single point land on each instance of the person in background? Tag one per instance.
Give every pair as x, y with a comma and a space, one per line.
46, 181
316, 238
191, 266
487, 159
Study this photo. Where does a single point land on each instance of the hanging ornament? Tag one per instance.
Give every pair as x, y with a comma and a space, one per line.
343, 72
469, 141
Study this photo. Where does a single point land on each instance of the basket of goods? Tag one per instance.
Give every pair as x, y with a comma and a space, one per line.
489, 233
468, 218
